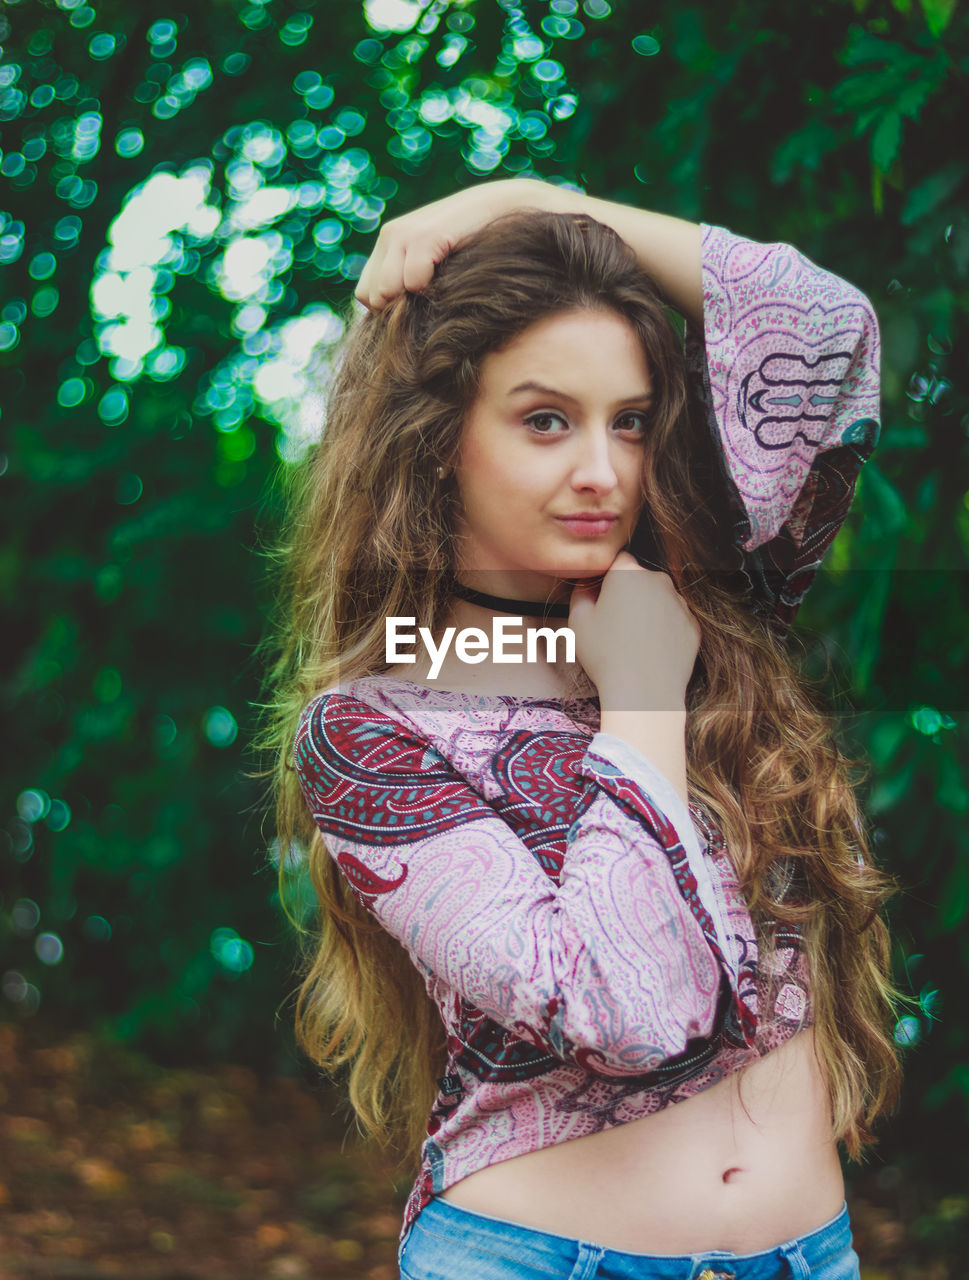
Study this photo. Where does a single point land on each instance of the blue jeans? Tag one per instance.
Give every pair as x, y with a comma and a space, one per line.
448, 1243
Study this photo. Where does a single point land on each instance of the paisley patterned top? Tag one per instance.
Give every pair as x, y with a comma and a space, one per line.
580, 930
786, 373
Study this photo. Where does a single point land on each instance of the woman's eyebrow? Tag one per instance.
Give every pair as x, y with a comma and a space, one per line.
641, 397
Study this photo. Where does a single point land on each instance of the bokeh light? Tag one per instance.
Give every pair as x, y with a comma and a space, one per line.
59, 816
25, 915
908, 1031
113, 406
128, 489
233, 953
164, 731
21, 839
129, 143
33, 805
220, 727
928, 721
392, 15
49, 948
96, 929
20, 992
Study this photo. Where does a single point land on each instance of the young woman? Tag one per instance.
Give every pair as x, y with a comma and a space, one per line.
604, 931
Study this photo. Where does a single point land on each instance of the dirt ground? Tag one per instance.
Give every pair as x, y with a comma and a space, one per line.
112, 1166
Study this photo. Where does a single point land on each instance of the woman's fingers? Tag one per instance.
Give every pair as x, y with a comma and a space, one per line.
581, 601
636, 638
381, 285
380, 279
399, 262
408, 248
624, 560
421, 256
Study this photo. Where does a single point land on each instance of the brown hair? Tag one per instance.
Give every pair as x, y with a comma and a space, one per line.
370, 536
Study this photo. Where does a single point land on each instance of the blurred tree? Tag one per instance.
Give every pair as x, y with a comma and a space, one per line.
188, 200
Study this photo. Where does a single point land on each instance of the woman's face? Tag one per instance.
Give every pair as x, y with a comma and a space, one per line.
551, 459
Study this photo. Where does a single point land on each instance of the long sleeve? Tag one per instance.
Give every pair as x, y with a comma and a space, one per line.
618, 967
787, 373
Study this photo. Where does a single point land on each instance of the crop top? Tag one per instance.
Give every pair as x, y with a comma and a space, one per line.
580, 929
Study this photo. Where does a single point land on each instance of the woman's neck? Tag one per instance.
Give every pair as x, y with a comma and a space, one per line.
512, 605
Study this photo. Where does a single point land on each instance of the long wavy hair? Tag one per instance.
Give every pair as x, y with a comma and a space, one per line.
370, 535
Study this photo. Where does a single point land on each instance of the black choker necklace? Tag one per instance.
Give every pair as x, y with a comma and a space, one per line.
503, 604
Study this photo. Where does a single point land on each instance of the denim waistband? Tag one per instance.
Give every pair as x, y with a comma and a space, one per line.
446, 1226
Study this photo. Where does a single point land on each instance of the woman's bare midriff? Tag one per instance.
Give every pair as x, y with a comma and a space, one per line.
743, 1166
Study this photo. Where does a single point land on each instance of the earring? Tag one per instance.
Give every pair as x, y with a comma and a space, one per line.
441, 472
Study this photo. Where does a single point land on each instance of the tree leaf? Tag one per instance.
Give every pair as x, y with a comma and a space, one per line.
954, 898
951, 792
864, 47
867, 87
931, 191
938, 14
886, 738
915, 95
884, 504
886, 141
887, 792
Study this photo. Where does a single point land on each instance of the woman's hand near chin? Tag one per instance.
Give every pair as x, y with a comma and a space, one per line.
637, 641
410, 247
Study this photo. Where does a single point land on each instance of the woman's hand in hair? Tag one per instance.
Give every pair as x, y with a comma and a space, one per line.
410, 247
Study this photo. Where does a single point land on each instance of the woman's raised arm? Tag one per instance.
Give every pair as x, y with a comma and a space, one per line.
408, 248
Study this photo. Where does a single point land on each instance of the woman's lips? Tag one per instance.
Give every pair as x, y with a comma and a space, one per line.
589, 526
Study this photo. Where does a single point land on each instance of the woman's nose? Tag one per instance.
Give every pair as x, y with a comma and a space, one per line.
594, 467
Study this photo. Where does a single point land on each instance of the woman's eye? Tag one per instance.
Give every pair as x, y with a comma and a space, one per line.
544, 424
637, 423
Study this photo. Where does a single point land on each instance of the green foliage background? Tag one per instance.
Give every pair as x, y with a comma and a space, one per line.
138, 891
